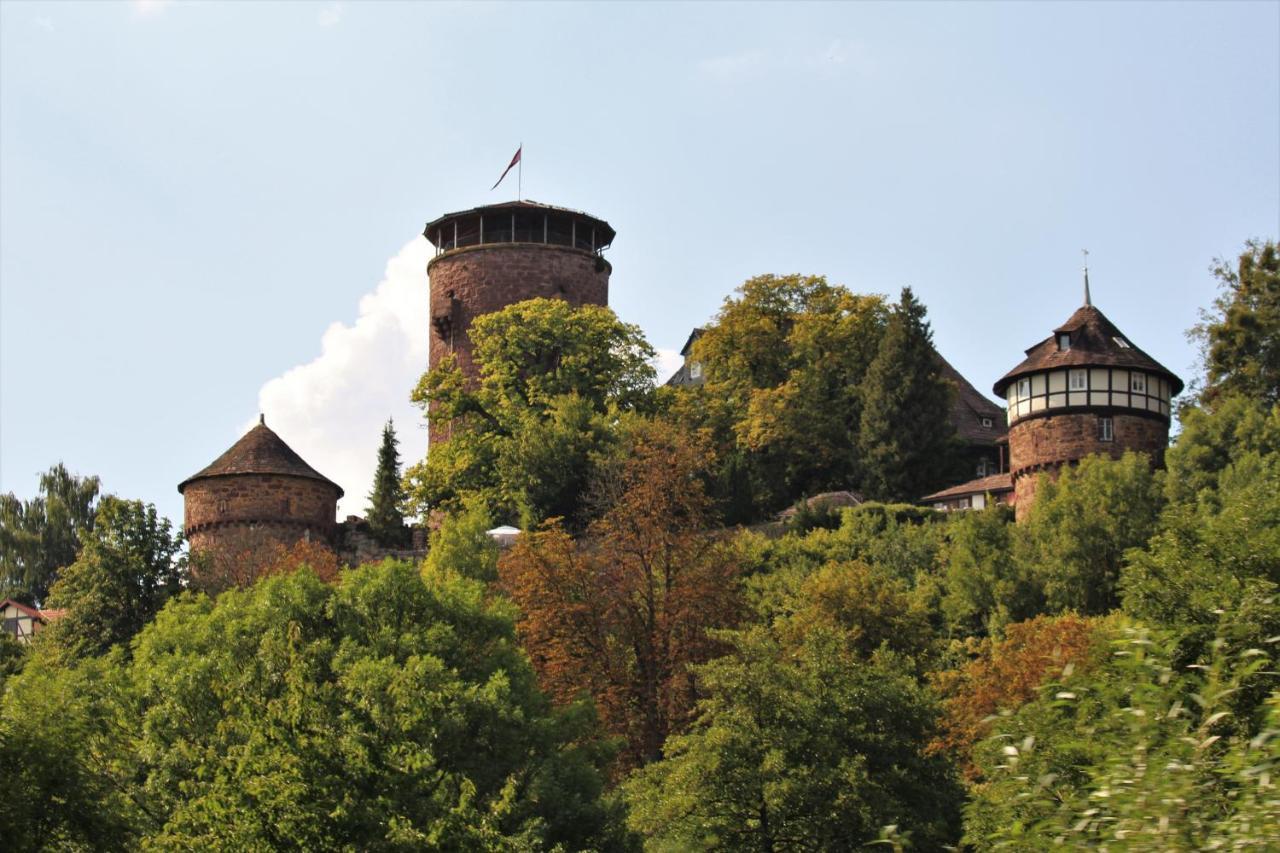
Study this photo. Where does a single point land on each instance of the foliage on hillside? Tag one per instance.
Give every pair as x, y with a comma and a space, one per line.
633, 672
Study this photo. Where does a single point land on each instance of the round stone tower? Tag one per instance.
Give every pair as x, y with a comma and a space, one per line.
1084, 389
490, 257
259, 492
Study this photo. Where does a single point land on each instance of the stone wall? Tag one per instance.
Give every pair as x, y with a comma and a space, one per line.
285, 501
471, 282
355, 545
1046, 443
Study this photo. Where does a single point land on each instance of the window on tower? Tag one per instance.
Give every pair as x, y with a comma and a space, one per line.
1064, 340
1106, 429
1079, 380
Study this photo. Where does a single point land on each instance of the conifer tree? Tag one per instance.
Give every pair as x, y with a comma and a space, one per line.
386, 520
905, 438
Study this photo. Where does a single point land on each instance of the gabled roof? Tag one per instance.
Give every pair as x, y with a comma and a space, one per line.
1095, 342
994, 484
969, 407
698, 331
259, 451
33, 612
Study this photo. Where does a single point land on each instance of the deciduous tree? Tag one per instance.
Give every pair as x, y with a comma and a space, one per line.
553, 380
128, 568
386, 712
1240, 336
782, 363
807, 747
623, 612
42, 535
1074, 539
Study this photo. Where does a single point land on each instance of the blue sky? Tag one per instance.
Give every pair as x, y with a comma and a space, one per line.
210, 209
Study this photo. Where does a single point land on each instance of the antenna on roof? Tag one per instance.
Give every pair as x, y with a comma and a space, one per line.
262, 418
1087, 300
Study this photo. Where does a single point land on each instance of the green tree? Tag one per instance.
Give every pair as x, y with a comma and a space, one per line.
1139, 754
1240, 336
40, 536
462, 544
905, 437
65, 783
1213, 569
782, 366
987, 587
554, 379
128, 568
385, 515
386, 712
1074, 540
809, 747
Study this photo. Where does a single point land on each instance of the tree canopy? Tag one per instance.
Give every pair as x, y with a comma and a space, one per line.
42, 535
388, 712
129, 567
553, 380
783, 364
1240, 336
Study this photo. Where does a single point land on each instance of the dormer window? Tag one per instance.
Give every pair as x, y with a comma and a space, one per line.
986, 422
695, 370
1064, 340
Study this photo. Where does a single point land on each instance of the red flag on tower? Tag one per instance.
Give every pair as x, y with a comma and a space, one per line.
510, 166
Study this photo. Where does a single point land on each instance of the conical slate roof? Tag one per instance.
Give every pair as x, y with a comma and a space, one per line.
259, 451
1095, 342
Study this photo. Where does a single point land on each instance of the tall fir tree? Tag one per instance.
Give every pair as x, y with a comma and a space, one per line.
385, 517
905, 439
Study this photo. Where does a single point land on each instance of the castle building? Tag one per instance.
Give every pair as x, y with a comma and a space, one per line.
1084, 389
490, 257
258, 492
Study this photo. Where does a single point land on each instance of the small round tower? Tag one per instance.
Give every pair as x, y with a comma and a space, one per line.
1084, 389
490, 257
259, 492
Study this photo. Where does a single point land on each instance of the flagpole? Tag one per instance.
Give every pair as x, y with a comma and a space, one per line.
520, 175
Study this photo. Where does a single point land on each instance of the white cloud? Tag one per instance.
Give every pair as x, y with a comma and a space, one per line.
149, 7
666, 363
331, 409
330, 14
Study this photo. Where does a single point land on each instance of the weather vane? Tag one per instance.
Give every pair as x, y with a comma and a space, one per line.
1087, 300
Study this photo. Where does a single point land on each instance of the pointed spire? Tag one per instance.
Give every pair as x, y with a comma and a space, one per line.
262, 418
1087, 299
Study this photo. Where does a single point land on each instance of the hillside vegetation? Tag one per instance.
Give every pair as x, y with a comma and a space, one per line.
649, 667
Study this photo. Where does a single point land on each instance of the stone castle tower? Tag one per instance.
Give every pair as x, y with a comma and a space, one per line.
1084, 389
259, 492
490, 257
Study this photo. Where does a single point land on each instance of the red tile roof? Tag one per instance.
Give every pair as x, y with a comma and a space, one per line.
33, 612
994, 484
